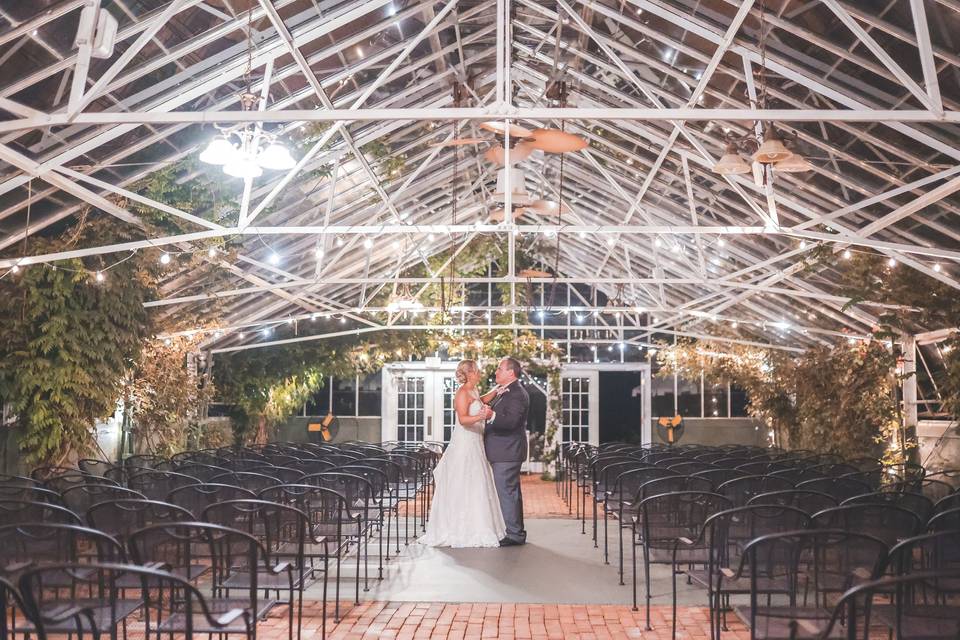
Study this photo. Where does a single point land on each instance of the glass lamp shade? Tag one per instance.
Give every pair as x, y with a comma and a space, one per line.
794, 164
731, 164
243, 166
219, 151
276, 157
772, 150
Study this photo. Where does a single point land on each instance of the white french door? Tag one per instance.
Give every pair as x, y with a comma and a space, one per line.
417, 404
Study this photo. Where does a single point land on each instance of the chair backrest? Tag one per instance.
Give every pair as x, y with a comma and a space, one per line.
102, 598
667, 516
157, 485
939, 550
32, 493
122, 517
887, 522
94, 467
727, 532
18, 511
950, 476
326, 509
196, 497
948, 520
924, 606
248, 480
80, 498
951, 501
31, 544
809, 501
839, 488
280, 528
192, 548
199, 470
282, 474
915, 502
830, 561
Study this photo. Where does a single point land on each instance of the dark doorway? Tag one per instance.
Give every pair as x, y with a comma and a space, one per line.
621, 406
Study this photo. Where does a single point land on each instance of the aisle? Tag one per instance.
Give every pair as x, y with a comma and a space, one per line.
558, 565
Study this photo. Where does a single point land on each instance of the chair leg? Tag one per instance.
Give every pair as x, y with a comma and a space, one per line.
633, 549
646, 582
606, 549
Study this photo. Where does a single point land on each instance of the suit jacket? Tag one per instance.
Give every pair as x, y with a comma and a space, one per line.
505, 437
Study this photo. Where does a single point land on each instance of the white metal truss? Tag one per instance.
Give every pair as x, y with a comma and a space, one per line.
884, 134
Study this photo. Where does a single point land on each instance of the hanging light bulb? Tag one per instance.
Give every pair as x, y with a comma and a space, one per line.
891, 262
274, 258
795, 163
212, 252
244, 165
219, 151
846, 254
276, 157
100, 276
165, 258
937, 267
368, 244
731, 163
772, 150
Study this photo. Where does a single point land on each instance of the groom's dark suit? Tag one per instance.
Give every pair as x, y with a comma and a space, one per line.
505, 441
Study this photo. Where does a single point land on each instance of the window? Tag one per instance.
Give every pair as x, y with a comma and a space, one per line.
738, 402
319, 403
345, 396
449, 413
410, 416
662, 397
714, 400
688, 398
368, 395
575, 407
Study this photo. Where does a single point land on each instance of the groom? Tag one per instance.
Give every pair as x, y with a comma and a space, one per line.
505, 441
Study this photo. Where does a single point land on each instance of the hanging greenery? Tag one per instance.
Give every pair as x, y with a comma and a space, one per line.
920, 301
166, 397
68, 340
266, 386
838, 399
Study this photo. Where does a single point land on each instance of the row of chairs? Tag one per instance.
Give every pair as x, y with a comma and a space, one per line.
697, 509
307, 507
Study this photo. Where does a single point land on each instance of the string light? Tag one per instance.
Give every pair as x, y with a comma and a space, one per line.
937, 267
167, 341
846, 254
212, 252
721, 242
100, 276
368, 244
803, 244
274, 258
165, 258
611, 241
891, 262
657, 242
339, 241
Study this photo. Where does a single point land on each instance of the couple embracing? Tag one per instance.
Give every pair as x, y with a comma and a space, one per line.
477, 500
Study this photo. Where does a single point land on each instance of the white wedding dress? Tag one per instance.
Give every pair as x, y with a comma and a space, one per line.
466, 510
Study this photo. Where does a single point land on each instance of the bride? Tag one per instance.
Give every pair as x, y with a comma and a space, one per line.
465, 511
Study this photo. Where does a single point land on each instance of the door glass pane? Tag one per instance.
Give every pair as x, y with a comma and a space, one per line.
345, 396
370, 395
449, 414
410, 421
575, 415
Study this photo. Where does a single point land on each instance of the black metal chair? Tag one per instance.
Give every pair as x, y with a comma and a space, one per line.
18, 511
887, 522
725, 535
948, 520
806, 565
157, 485
660, 521
915, 502
80, 498
171, 605
808, 501
120, 518
197, 497
285, 532
330, 519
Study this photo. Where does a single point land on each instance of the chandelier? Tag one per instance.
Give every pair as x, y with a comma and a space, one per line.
403, 300
245, 152
767, 146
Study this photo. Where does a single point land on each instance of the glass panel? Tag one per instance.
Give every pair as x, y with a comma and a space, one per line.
319, 403
661, 395
575, 394
345, 396
738, 402
688, 398
370, 391
715, 402
410, 420
449, 414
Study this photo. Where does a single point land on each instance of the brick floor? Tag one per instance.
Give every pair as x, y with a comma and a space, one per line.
540, 499
476, 621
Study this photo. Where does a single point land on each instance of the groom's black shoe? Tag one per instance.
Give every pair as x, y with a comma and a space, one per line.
510, 542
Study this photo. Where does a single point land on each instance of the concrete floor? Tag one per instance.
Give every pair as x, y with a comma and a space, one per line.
557, 565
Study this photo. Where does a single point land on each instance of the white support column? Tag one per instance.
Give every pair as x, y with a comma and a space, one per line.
909, 382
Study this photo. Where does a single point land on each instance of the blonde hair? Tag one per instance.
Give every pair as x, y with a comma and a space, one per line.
465, 367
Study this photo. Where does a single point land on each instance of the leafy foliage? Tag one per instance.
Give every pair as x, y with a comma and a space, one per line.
923, 302
838, 399
167, 398
67, 343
